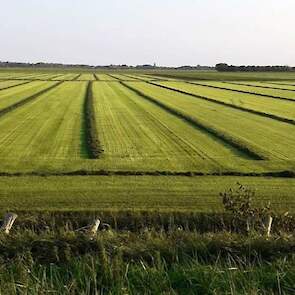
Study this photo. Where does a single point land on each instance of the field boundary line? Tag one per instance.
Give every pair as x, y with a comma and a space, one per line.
92, 141
102, 172
19, 79
213, 100
114, 77
76, 78
196, 123
141, 79
27, 100
11, 86
55, 76
278, 83
120, 80
136, 78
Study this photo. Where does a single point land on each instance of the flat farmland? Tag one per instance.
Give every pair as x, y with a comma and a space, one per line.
46, 127
19, 93
136, 132
67, 77
224, 76
86, 77
158, 148
263, 89
283, 85
167, 193
106, 77
10, 83
13, 75
279, 109
262, 137
123, 77
140, 77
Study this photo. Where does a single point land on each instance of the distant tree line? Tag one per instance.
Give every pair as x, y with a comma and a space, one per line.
8, 64
223, 67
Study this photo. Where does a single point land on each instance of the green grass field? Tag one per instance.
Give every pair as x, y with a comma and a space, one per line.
48, 127
261, 104
165, 193
225, 76
148, 153
148, 131
250, 131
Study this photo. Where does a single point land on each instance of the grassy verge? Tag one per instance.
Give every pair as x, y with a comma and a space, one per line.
94, 193
148, 261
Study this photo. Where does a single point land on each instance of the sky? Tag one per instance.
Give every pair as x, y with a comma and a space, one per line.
165, 32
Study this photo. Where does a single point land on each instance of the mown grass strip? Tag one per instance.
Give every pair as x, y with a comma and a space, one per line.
55, 76
281, 83
211, 130
267, 115
93, 143
112, 76
263, 86
77, 77
244, 91
26, 100
140, 79
11, 86
136, 78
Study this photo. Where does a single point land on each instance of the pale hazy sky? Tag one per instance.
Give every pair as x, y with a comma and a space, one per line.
168, 32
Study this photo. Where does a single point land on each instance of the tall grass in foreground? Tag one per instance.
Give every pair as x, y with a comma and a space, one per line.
153, 253
149, 261
95, 275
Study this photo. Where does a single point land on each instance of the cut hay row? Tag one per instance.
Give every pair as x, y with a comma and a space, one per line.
40, 76
137, 132
143, 78
96, 77
86, 77
11, 83
55, 77
105, 77
20, 75
257, 91
263, 137
76, 78
114, 77
153, 78
8, 75
91, 133
288, 174
224, 76
18, 96
263, 85
288, 85
136, 77
283, 111
123, 77
64, 77
46, 128
273, 88
227, 139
